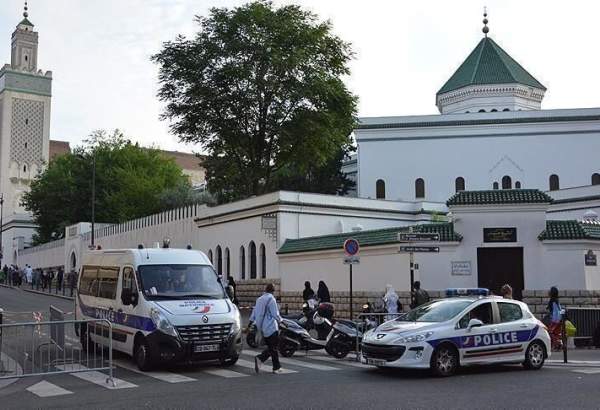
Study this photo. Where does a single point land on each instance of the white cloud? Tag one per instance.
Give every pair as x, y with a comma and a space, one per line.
99, 52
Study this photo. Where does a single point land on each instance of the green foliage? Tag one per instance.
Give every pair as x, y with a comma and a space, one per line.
260, 89
131, 182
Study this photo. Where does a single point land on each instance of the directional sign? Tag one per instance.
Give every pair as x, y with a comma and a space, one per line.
351, 247
419, 249
418, 237
351, 260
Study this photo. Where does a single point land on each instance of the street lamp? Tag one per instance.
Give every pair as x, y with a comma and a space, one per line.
1, 228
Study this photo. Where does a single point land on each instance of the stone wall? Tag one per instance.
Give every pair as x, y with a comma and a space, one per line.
247, 291
538, 299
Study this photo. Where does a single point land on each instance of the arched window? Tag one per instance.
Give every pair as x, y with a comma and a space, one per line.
554, 183
596, 179
219, 260
495, 185
252, 250
459, 184
518, 185
380, 189
493, 110
419, 188
210, 255
482, 110
243, 262
227, 262
506, 182
506, 109
263, 261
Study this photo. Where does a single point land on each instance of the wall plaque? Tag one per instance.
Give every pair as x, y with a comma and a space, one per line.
499, 234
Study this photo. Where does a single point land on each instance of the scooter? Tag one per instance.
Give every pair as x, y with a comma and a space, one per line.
344, 334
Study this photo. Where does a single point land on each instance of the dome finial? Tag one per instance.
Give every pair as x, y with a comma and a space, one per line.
25, 14
485, 29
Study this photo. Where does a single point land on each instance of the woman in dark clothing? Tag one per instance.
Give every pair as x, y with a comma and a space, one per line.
308, 293
323, 292
555, 316
231, 282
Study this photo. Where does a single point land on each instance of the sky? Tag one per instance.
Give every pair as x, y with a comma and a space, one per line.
99, 52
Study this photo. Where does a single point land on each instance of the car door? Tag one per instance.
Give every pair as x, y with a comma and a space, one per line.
514, 329
128, 313
478, 344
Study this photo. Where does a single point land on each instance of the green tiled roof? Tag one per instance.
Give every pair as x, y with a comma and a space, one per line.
488, 63
499, 196
569, 230
26, 22
366, 238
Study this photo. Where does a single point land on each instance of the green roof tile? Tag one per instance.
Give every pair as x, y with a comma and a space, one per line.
570, 230
366, 238
488, 63
26, 22
499, 196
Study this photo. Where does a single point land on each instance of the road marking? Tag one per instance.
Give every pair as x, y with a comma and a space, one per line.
301, 364
250, 365
97, 377
163, 376
224, 373
46, 389
587, 371
339, 361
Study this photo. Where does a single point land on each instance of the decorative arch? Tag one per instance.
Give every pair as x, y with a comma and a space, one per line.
459, 184
227, 262
243, 262
554, 182
263, 261
210, 255
495, 185
380, 189
252, 251
506, 182
219, 253
596, 179
518, 185
73, 261
420, 188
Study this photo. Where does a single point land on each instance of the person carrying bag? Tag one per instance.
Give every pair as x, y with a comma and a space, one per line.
266, 318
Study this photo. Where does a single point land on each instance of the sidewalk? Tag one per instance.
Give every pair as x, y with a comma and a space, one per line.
580, 357
27, 288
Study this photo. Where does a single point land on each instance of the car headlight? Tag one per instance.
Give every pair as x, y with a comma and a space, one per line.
419, 337
237, 323
162, 323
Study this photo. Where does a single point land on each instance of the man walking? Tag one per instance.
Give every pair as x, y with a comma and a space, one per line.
419, 296
266, 317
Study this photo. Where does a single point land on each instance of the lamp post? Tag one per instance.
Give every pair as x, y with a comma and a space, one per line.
1, 228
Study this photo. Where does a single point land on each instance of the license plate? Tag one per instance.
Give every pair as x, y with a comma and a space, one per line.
376, 362
206, 348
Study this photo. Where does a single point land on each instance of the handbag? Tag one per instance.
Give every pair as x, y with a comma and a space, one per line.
259, 338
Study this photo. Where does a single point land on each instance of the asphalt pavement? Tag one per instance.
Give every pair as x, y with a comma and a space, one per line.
312, 381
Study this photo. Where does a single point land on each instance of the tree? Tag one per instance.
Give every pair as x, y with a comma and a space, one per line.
260, 89
131, 182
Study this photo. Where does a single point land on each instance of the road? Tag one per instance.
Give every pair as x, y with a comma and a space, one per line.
313, 381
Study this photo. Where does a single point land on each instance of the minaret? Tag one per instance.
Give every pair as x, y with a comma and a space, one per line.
24, 45
25, 101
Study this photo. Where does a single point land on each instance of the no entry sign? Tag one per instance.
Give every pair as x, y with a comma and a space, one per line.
351, 247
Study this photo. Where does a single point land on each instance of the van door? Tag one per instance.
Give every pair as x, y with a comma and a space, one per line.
106, 302
128, 312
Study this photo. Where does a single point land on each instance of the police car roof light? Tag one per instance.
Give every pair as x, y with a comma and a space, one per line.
455, 292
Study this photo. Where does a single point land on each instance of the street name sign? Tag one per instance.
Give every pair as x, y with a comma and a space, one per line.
419, 249
418, 237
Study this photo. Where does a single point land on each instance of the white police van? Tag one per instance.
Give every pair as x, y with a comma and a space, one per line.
444, 334
165, 305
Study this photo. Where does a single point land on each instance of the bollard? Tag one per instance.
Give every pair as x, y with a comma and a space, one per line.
563, 329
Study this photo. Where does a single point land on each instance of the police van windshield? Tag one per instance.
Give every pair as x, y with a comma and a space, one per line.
180, 281
436, 311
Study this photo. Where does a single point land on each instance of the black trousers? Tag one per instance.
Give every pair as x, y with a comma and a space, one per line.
271, 350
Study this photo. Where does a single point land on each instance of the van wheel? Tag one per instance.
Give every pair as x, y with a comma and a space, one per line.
444, 361
142, 356
535, 355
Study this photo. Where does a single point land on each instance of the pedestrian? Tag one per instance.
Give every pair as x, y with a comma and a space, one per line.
554, 315
419, 296
323, 293
73, 280
28, 274
44, 279
59, 278
391, 301
5, 271
266, 318
506, 291
231, 283
308, 293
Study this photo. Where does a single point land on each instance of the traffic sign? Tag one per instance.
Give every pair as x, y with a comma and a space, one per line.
419, 249
351, 260
418, 237
351, 247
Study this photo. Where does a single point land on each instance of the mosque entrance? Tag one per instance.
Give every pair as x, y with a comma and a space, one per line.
497, 266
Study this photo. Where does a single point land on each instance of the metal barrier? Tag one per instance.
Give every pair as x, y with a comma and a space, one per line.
41, 348
363, 325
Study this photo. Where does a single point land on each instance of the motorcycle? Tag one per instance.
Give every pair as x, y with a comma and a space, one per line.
344, 334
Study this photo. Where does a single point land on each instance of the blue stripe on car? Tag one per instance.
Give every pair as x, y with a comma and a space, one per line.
120, 318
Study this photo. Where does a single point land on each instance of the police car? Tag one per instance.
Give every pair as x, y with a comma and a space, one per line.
466, 328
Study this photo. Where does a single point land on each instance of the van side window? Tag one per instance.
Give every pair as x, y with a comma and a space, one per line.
107, 278
88, 284
129, 280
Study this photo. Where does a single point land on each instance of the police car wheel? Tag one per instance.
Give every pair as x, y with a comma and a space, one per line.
444, 361
535, 355
142, 356
230, 361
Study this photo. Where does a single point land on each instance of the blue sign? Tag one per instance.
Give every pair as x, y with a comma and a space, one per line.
351, 247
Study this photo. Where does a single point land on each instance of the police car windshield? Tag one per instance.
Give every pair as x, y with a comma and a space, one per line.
436, 311
180, 282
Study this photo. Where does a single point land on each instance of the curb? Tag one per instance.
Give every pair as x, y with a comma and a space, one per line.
573, 363
48, 294
6, 286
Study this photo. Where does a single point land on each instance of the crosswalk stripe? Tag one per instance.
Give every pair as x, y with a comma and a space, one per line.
97, 377
300, 363
345, 362
250, 365
224, 373
163, 376
587, 371
46, 389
